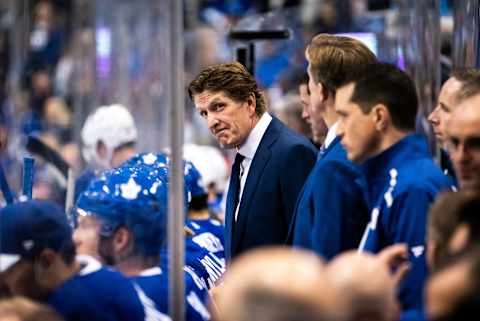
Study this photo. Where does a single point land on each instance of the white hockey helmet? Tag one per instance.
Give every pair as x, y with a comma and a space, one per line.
112, 125
210, 163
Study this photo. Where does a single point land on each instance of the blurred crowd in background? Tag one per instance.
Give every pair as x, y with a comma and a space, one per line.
62, 59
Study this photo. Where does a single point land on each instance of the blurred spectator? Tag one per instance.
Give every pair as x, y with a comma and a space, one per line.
40, 91
367, 284
289, 111
278, 284
465, 208
453, 292
22, 309
443, 218
46, 39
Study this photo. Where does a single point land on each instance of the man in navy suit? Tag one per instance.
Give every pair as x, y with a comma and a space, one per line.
271, 164
331, 215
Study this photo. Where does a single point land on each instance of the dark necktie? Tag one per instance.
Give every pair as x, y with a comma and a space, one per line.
236, 170
234, 188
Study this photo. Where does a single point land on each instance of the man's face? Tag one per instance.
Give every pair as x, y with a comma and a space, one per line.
356, 129
464, 143
312, 116
20, 280
445, 106
229, 121
305, 98
85, 235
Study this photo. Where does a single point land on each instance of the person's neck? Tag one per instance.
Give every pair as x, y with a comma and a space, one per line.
134, 265
390, 138
64, 272
199, 215
330, 115
255, 120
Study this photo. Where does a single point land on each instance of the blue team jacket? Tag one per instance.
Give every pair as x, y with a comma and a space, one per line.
331, 214
401, 183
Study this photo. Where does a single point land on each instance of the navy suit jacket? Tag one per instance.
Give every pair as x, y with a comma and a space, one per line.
331, 213
278, 170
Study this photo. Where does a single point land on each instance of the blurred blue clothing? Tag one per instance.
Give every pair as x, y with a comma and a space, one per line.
97, 294
208, 229
154, 282
201, 263
401, 183
82, 182
331, 213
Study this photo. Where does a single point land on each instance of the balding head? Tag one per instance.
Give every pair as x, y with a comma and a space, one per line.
367, 284
278, 284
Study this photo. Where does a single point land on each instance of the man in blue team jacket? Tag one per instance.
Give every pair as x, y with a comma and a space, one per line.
377, 112
330, 214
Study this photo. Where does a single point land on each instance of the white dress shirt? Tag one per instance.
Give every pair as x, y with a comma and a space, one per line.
248, 149
331, 134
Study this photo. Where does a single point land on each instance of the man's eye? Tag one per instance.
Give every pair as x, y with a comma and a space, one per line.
218, 107
473, 143
453, 143
203, 114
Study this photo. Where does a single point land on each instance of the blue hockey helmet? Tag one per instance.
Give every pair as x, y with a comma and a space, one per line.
134, 196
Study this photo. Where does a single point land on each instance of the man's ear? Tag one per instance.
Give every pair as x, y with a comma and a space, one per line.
381, 117
101, 149
322, 92
121, 240
252, 103
46, 259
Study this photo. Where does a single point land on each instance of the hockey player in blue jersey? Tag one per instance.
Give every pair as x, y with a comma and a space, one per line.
209, 233
38, 261
377, 121
131, 204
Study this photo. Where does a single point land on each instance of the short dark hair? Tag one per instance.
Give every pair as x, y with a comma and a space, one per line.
382, 83
332, 58
231, 78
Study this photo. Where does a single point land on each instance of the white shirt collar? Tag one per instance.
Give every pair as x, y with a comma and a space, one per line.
249, 148
89, 264
331, 134
156, 270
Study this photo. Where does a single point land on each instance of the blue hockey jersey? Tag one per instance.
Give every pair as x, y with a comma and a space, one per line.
154, 282
209, 234
99, 294
205, 265
401, 183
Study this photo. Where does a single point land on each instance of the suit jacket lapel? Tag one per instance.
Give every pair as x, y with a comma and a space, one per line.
260, 160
